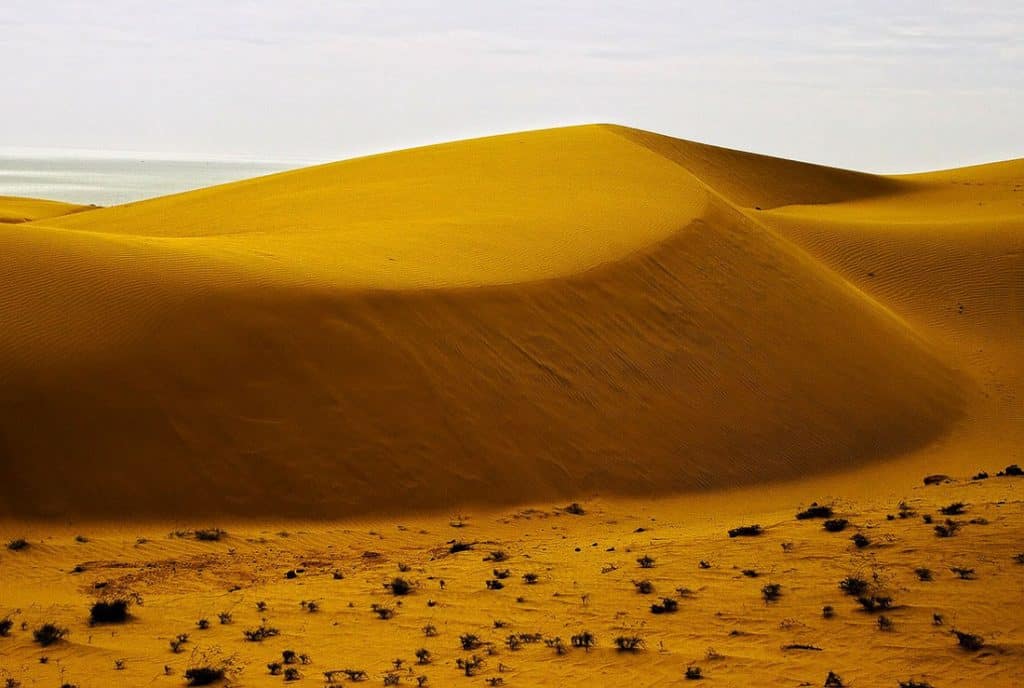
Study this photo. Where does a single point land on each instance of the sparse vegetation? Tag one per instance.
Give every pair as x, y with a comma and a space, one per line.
205, 675
954, 509
470, 641
693, 673
575, 509
834, 681
260, 633
17, 545
771, 592
835, 525
458, 546
860, 540
874, 603
924, 574
853, 586
383, 612
969, 641
530, 578
815, 511
48, 634
666, 606
746, 531
210, 534
644, 587
399, 586
584, 640
629, 643
109, 611
962, 572
947, 529
178, 643
423, 656
646, 562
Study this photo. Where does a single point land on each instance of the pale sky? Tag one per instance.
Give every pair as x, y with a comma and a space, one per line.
881, 86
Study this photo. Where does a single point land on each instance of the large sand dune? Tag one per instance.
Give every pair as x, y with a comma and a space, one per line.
549, 314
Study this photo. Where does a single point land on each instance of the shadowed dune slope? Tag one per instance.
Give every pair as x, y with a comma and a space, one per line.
14, 209
532, 316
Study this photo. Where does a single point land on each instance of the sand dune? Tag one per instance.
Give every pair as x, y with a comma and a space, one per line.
591, 310
14, 210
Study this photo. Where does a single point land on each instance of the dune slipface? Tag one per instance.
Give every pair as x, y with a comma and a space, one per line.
540, 315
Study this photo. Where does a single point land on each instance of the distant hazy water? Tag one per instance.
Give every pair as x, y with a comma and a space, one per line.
113, 179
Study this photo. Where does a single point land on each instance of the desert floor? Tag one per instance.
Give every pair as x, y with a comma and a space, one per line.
344, 371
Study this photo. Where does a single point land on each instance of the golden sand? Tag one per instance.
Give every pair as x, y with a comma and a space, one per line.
681, 337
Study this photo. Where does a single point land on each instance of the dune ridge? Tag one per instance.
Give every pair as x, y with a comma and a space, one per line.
589, 310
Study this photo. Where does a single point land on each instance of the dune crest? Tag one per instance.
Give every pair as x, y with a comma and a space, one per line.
532, 316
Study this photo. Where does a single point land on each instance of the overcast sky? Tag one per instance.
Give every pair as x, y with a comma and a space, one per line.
884, 86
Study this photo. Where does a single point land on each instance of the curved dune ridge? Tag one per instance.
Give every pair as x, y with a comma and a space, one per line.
14, 210
532, 316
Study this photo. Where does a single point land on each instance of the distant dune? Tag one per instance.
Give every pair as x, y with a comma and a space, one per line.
553, 314
14, 210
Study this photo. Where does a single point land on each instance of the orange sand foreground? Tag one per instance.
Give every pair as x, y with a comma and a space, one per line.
334, 363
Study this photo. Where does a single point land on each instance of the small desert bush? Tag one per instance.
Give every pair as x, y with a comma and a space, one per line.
873, 603
1011, 470
746, 531
6, 624
923, 574
962, 572
646, 562
833, 680
947, 529
835, 525
497, 556
556, 644
210, 534
48, 634
469, 665
383, 612
260, 633
17, 544
911, 683
584, 639
292, 674
575, 509
771, 592
815, 511
644, 587
969, 641
530, 578
629, 643
458, 546
205, 675
884, 623
423, 656
501, 574
470, 641
693, 673
399, 586
860, 540
666, 606
108, 612
828, 611
178, 643
224, 618
853, 586
954, 509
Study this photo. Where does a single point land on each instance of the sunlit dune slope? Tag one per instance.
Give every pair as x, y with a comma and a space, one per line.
532, 316
14, 209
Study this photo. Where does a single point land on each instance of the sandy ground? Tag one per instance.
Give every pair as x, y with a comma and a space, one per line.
587, 570
350, 368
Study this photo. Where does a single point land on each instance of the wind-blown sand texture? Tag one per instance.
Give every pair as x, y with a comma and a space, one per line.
593, 313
